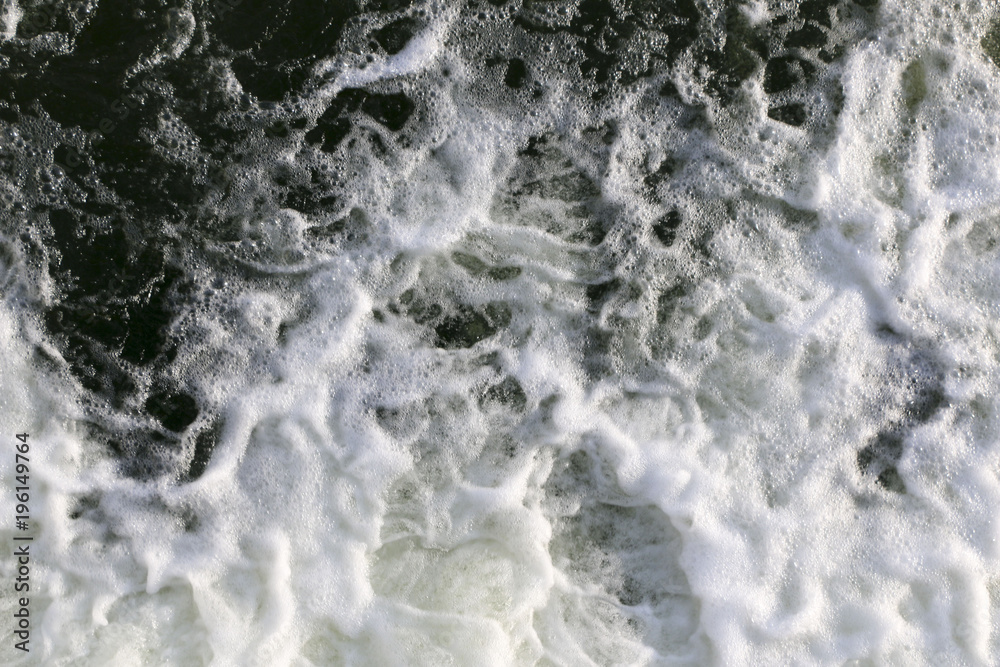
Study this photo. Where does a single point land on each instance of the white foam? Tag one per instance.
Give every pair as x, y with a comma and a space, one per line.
688, 493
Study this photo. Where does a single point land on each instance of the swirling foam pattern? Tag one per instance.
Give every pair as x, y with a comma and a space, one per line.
506, 332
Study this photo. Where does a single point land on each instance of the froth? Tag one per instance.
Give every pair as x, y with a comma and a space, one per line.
675, 368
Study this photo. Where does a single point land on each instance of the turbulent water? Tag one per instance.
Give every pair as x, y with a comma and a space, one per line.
506, 332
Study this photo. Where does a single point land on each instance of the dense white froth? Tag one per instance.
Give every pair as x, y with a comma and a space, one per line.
623, 381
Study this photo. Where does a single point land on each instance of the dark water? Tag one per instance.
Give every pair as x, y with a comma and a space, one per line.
117, 201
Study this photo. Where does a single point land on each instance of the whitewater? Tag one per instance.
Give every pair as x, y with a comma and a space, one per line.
570, 332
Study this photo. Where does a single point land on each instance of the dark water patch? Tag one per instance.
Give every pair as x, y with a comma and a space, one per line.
665, 229
204, 444
416, 307
789, 114
929, 398
394, 36
501, 273
744, 49
176, 410
171, 151
278, 34
818, 11
600, 293
991, 43
144, 454
508, 392
479, 268
669, 300
517, 73
924, 383
620, 43
667, 167
914, 81
329, 132
386, 6
305, 199
785, 72
469, 326
277, 44
144, 22
352, 229
455, 325
610, 36
116, 294
74, 92
809, 36
880, 457
390, 110
921, 384
266, 82
568, 186
45, 17
154, 186
201, 102
470, 263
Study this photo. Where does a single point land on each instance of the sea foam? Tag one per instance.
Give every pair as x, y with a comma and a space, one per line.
501, 363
